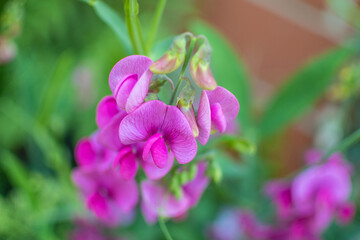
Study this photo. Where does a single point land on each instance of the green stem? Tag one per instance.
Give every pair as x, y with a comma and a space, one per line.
131, 11
344, 144
164, 229
155, 23
186, 61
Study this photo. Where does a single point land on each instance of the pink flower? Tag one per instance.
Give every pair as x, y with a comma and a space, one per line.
161, 126
280, 193
90, 154
158, 201
217, 109
129, 81
107, 194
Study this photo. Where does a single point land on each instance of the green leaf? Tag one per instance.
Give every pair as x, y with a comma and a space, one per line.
301, 91
228, 70
115, 22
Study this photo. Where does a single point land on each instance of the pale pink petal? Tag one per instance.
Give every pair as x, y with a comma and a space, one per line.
152, 171
218, 117
106, 110
149, 144
85, 154
135, 64
159, 153
124, 88
126, 194
142, 123
229, 103
108, 136
149, 214
178, 135
204, 119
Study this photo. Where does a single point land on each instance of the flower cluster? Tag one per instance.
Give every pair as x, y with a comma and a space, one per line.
305, 206
139, 132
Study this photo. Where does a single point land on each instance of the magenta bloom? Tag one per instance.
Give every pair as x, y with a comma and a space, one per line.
129, 81
107, 194
90, 154
217, 109
158, 201
324, 190
280, 193
161, 126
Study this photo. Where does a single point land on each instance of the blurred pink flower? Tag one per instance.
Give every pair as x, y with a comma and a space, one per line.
158, 201
8, 50
110, 197
129, 81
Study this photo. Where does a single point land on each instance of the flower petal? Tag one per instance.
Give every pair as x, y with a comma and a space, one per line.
124, 88
106, 110
229, 103
108, 136
204, 119
159, 153
128, 166
126, 194
152, 171
149, 144
218, 117
135, 64
121, 155
142, 123
178, 135
85, 154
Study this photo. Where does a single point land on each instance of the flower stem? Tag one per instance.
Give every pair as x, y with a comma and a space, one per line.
164, 229
131, 11
186, 61
155, 23
344, 144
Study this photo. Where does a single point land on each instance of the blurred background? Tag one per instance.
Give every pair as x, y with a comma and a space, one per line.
55, 57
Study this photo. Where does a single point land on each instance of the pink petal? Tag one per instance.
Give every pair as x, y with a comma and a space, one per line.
106, 110
135, 64
229, 103
218, 117
124, 88
149, 144
142, 123
159, 153
98, 205
126, 194
128, 166
313, 156
152, 171
121, 155
204, 119
84, 179
195, 188
178, 135
85, 154
108, 136
149, 214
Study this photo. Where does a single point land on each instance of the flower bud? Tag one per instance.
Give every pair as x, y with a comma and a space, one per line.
158, 81
185, 100
200, 67
175, 187
173, 58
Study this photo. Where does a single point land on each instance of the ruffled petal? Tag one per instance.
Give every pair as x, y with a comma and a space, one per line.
204, 119
218, 117
142, 123
106, 110
152, 171
178, 135
108, 136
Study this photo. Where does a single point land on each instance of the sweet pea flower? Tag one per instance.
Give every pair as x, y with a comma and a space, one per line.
158, 201
90, 154
280, 193
324, 191
217, 109
110, 197
161, 127
129, 81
